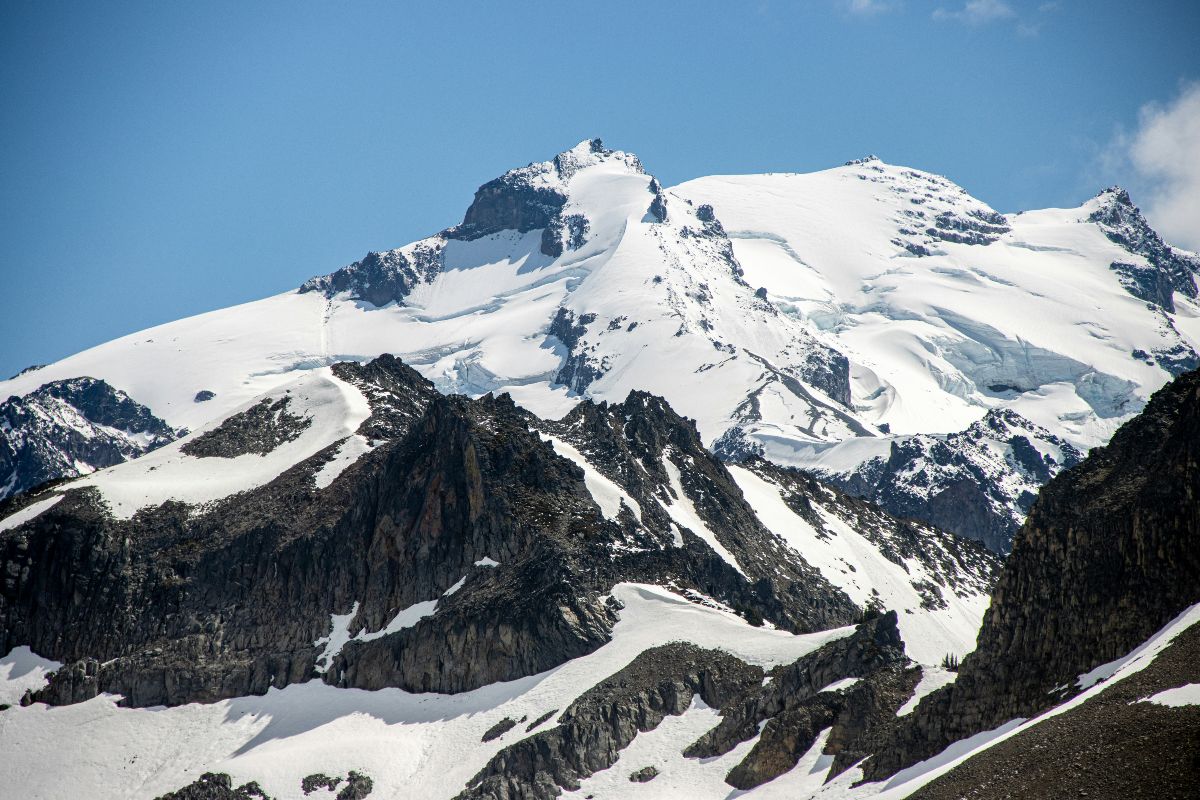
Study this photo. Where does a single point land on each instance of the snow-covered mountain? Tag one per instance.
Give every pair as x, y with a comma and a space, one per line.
72, 427
479, 570
461, 600
559, 540
816, 320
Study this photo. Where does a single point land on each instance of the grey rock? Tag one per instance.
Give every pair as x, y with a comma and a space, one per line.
1105, 559
259, 429
644, 775
47, 434
499, 729
382, 278
1167, 270
217, 786
953, 482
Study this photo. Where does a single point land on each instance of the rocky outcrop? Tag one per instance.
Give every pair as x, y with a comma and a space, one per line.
259, 429
979, 483
952, 562
1116, 746
657, 457
72, 427
795, 702
219, 786
796, 705
461, 508
976, 226
533, 197
1106, 558
382, 278
604, 720
1164, 270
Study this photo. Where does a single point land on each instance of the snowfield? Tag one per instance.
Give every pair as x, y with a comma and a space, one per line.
817, 320
425, 746
936, 331
429, 745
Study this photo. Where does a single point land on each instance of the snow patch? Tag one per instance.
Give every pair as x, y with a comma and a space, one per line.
23, 670
840, 685
29, 512
684, 513
607, 494
1186, 695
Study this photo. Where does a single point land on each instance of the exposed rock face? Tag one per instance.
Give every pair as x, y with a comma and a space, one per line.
977, 226
952, 561
657, 457
382, 278
604, 720
595, 728
514, 201
533, 197
1106, 558
195, 604
259, 429
979, 483
580, 367
72, 427
1116, 746
796, 705
217, 786
1165, 271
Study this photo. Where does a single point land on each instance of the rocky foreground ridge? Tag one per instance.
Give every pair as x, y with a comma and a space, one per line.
461, 550
1108, 556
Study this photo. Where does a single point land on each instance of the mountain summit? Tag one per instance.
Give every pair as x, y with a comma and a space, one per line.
826, 321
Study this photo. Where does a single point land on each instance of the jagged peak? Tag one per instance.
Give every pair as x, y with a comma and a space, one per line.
588, 153
1115, 194
867, 159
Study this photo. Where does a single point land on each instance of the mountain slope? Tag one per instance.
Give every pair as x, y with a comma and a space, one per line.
847, 311
71, 427
356, 529
1107, 557
854, 307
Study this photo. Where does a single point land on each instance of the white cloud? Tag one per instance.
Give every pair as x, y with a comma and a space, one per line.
1165, 152
866, 7
977, 12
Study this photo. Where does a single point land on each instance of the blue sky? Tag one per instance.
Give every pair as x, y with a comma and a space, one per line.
163, 159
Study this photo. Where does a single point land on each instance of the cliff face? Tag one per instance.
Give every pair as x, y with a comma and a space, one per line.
1108, 555
461, 550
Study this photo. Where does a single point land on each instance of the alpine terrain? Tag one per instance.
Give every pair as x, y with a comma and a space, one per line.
833, 485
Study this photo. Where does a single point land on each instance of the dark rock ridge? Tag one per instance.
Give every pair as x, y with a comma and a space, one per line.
957, 482
382, 278
976, 226
532, 198
604, 720
1115, 746
796, 705
526, 199
259, 429
662, 681
580, 367
953, 561
1166, 271
69, 427
638, 444
219, 786
182, 604
1106, 558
